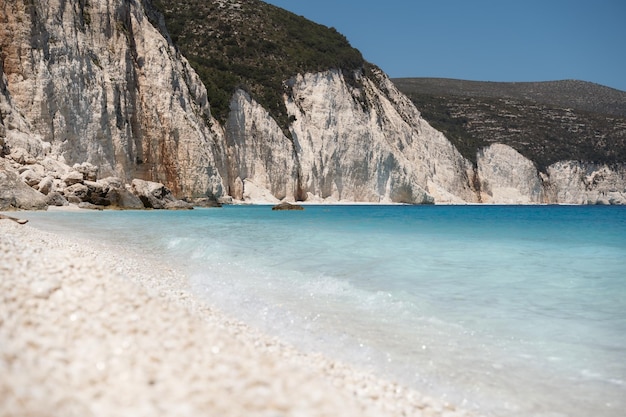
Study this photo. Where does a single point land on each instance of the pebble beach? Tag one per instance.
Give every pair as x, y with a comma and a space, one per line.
91, 330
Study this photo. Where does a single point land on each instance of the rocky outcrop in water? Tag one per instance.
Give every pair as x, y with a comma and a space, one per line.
284, 206
96, 90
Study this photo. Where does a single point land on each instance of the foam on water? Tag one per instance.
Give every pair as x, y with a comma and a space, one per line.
510, 310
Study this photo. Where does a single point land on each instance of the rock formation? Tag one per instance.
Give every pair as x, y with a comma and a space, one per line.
506, 177
39, 184
287, 207
94, 96
97, 82
15, 194
575, 182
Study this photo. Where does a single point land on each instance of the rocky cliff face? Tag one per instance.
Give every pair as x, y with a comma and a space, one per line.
368, 143
574, 182
506, 177
100, 82
348, 143
260, 156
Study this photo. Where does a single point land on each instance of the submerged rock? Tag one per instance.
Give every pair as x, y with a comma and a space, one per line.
287, 206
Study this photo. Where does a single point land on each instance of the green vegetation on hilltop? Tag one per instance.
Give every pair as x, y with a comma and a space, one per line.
254, 46
575, 94
545, 122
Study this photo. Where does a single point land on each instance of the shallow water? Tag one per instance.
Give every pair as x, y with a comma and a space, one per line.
514, 311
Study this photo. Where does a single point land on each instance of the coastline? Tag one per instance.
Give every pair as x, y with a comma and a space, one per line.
89, 329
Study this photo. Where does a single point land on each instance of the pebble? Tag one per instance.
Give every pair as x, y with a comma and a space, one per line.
81, 338
44, 287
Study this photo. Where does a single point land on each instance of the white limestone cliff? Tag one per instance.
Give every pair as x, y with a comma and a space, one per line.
100, 82
506, 177
355, 143
347, 143
259, 153
574, 182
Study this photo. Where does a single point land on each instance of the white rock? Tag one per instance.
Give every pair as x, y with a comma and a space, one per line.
253, 194
134, 108
94, 94
573, 182
31, 177
507, 177
73, 177
44, 287
21, 156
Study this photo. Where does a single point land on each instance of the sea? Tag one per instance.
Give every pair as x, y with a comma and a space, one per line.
506, 310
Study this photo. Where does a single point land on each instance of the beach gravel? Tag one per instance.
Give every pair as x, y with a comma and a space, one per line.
91, 330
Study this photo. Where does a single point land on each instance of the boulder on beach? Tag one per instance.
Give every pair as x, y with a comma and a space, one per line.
31, 177
156, 195
15, 194
56, 199
73, 177
205, 202
87, 170
22, 156
46, 185
178, 205
76, 192
32, 185
121, 198
90, 206
96, 193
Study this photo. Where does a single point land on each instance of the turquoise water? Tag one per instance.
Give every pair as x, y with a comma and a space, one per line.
514, 311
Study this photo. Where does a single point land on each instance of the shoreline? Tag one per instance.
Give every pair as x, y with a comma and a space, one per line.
92, 330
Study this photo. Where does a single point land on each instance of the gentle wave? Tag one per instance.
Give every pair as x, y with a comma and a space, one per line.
510, 310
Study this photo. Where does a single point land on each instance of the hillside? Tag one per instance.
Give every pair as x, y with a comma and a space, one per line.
580, 95
292, 112
256, 46
252, 45
546, 121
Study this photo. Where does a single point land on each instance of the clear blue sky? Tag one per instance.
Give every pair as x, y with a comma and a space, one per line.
485, 40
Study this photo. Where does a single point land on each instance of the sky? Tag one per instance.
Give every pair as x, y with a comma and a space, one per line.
482, 40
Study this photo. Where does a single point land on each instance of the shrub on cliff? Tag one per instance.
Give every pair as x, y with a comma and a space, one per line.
254, 46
